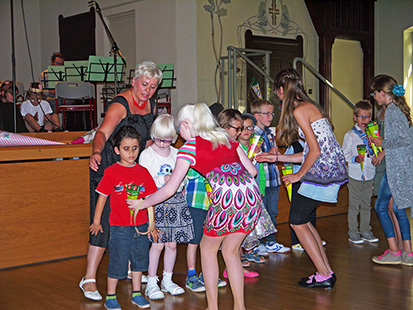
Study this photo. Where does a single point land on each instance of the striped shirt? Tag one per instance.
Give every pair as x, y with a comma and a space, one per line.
272, 175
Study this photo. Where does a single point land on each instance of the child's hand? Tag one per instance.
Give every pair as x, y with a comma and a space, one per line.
154, 234
273, 151
377, 141
290, 178
377, 160
95, 228
266, 157
359, 159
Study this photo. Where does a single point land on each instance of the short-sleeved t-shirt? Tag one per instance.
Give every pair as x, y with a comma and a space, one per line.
203, 158
113, 183
28, 108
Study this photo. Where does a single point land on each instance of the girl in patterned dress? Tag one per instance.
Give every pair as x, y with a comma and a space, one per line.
236, 199
172, 217
322, 172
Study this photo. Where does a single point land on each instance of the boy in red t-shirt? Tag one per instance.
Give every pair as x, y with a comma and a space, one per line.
125, 244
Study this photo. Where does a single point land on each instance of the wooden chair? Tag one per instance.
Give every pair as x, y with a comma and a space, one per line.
77, 91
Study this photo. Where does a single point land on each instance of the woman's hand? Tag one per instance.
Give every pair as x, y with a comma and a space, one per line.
290, 179
95, 228
94, 161
266, 157
377, 141
274, 151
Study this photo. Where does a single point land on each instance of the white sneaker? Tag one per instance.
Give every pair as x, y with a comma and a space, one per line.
153, 291
276, 247
298, 247
144, 279
261, 250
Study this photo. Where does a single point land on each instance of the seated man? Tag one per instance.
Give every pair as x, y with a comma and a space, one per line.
7, 109
57, 59
37, 113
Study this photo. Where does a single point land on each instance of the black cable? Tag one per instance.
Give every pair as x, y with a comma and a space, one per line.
31, 63
27, 41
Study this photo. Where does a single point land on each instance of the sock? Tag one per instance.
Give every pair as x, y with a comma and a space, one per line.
191, 272
152, 280
320, 278
110, 296
167, 276
136, 293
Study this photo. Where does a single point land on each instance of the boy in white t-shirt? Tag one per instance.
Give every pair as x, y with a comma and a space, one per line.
37, 114
360, 181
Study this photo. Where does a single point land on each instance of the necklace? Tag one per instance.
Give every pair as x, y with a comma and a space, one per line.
136, 104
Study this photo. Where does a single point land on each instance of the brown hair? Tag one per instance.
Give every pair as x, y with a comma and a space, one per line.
386, 83
227, 116
362, 105
290, 80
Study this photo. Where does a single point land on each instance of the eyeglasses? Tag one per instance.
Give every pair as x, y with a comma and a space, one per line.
373, 93
363, 117
166, 141
268, 114
249, 128
237, 129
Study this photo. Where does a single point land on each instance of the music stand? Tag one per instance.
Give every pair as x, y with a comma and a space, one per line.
54, 74
76, 71
168, 76
102, 69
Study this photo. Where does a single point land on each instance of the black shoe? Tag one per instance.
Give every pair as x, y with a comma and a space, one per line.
42, 129
333, 275
327, 284
58, 129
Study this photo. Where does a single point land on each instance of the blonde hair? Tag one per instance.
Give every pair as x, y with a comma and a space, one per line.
290, 80
256, 105
386, 83
163, 127
203, 124
148, 69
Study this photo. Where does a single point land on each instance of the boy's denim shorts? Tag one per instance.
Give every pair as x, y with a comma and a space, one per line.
126, 245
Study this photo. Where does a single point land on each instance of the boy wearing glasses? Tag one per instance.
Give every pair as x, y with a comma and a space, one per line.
361, 173
268, 174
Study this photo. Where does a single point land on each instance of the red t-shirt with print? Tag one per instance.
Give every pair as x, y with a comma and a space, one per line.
113, 183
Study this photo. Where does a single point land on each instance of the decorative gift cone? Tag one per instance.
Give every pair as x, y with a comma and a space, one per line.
256, 88
288, 169
372, 130
256, 142
86, 138
361, 150
132, 192
208, 190
14, 139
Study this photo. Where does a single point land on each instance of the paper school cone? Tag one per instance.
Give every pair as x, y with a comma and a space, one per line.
132, 192
361, 150
256, 88
208, 190
86, 138
288, 169
372, 130
255, 143
14, 139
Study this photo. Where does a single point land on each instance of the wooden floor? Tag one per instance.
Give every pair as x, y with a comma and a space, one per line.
361, 283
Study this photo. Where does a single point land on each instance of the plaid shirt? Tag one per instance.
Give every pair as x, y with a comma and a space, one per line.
272, 175
195, 193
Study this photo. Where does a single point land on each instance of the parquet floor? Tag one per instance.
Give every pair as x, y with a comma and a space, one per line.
361, 284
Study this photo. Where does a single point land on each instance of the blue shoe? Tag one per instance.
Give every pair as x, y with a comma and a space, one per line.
194, 284
141, 302
112, 304
275, 247
221, 283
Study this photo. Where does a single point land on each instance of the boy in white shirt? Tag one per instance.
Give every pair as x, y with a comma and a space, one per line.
37, 114
360, 181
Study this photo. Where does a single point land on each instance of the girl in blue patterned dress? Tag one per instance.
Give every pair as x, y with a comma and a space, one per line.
322, 172
236, 199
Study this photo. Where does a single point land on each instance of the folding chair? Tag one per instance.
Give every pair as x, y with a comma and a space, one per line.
78, 91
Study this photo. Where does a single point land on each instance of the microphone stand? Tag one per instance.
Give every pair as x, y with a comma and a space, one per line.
13, 67
115, 48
